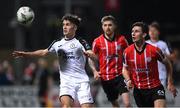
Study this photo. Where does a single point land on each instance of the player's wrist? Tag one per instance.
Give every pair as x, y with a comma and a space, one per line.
127, 80
170, 81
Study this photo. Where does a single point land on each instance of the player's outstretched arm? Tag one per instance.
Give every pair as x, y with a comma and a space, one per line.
37, 53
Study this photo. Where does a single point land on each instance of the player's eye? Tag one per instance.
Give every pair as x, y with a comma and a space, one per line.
110, 25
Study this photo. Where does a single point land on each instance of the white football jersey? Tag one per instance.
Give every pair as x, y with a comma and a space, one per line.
164, 48
71, 59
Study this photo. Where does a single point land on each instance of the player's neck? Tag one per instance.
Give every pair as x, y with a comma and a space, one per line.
139, 45
69, 37
154, 39
109, 37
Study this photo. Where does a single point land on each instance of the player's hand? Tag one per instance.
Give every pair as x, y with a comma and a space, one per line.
18, 54
89, 53
96, 75
172, 89
129, 84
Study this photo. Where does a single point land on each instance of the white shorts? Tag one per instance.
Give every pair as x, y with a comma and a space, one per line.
80, 91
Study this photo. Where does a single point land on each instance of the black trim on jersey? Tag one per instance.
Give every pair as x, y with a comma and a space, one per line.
84, 43
52, 44
169, 47
67, 39
113, 39
142, 48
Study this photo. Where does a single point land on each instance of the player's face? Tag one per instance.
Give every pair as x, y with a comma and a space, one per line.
108, 27
153, 32
69, 28
137, 34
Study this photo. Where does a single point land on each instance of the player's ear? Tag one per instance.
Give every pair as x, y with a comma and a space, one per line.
75, 27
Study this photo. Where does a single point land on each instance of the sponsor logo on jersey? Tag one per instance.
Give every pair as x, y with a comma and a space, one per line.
60, 46
72, 46
112, 56
142, 70
149, 59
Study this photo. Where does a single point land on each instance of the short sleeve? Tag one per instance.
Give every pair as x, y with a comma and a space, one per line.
51, 47
160, 55
125, 59
85, 44
95, 47
125, 42
167, 52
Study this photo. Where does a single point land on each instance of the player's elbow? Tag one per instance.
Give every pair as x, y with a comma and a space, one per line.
43, 53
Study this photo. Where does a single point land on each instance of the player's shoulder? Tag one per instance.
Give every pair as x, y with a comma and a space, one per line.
98, 38
129, 48
120, 37
153, 48
54, 43
83, 42
163, 43
148, 41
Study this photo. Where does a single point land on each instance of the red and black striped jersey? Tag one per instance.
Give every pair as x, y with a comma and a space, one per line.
110, 55
143, 65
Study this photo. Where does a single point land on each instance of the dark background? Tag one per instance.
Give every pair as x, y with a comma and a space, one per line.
47, 12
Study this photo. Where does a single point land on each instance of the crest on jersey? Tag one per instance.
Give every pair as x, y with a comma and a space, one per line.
149, 59
72, 46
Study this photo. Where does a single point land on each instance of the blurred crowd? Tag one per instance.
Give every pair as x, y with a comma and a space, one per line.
41, 69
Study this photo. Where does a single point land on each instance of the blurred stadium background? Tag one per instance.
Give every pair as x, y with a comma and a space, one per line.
21, 80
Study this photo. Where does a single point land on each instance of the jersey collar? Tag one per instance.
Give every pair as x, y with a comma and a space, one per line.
68, 39
144, 46
109, 39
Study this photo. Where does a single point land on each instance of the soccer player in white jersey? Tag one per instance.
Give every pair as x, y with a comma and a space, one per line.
154, 32
74, 82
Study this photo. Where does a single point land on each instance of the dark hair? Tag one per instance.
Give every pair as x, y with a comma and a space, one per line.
155, 25
142, 25
72, 18
107, 18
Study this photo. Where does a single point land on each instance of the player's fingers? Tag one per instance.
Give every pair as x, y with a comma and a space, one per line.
129, 87
96, 77
17, 54
14, 54
175, 92
86, 54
